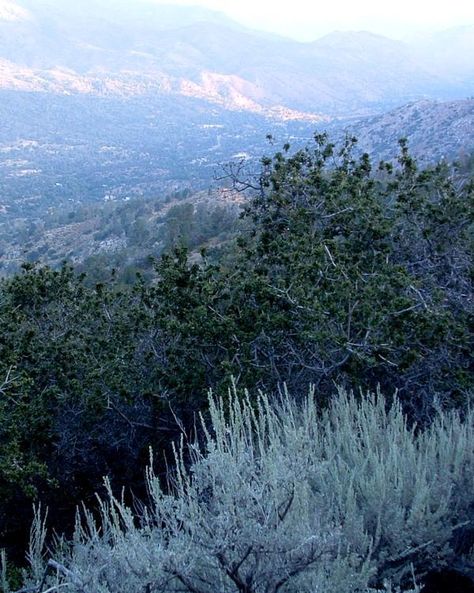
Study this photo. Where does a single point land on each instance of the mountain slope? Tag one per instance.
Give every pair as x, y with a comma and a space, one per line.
107, 47
435, 130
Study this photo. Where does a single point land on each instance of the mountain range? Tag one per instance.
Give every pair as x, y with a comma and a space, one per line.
109, 48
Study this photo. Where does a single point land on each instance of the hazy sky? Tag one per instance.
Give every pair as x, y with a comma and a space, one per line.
306, 19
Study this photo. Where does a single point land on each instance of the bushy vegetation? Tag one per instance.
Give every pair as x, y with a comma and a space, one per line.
342, 273
281, 496
118, 235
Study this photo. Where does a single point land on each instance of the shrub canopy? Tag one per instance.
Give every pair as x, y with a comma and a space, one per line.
341, 273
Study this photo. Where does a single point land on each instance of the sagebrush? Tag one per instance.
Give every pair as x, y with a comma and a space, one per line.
281, 497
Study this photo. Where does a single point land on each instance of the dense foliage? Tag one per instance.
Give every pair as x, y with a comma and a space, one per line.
281, 497
343, 274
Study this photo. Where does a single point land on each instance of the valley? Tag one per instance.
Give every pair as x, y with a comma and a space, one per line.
104, 107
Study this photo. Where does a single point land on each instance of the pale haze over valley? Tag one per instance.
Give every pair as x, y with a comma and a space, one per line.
306, 20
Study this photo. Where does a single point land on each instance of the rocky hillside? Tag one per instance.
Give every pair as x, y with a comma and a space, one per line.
121, 235
435, 130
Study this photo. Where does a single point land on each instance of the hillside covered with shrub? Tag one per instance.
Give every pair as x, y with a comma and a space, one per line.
342, 273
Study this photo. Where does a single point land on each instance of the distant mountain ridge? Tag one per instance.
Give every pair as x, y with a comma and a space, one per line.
451, 50
102, 47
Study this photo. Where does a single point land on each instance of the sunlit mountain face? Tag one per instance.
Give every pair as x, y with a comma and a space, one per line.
123, 49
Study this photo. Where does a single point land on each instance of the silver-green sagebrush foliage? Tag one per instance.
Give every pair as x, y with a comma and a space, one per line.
281, 498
